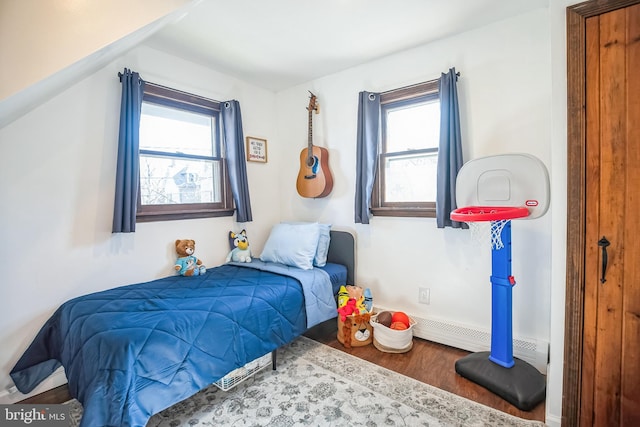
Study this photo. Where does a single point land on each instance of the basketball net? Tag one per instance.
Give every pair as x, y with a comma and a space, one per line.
481, 231
487, 222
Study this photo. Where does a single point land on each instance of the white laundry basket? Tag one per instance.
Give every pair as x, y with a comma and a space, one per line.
391, 340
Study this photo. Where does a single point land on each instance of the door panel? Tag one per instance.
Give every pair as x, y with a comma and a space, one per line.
592, 171
601, 385
630, 401
610, 366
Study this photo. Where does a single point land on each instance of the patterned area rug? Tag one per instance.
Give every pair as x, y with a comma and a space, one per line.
316, 385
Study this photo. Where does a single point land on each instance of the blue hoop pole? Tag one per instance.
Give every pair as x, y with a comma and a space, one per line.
502, 283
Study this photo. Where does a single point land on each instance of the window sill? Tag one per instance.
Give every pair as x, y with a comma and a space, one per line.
164, 216
405, 212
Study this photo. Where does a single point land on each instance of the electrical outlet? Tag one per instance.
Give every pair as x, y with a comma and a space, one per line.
424, 295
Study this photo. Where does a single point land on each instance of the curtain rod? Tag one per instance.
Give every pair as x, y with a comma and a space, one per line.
167, 88
120, 75
413, 85
162, 87
381, 93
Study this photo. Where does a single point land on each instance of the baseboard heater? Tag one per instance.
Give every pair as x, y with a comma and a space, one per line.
470, 338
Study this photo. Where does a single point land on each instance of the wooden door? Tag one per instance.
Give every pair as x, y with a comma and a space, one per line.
610, 394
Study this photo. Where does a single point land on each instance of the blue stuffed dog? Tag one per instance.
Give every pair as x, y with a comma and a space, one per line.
240, 244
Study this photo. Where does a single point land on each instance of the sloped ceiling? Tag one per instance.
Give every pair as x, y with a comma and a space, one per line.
46, 49
277, 44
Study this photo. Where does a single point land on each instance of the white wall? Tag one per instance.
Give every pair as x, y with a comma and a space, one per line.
558, 31
505, 97
57, 175
505, 92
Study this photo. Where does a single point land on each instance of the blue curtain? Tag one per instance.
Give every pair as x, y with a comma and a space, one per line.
234, 145
367, 153
128, 164
449, 151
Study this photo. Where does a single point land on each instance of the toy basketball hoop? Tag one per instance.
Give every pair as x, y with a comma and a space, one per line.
484, 220
495, 190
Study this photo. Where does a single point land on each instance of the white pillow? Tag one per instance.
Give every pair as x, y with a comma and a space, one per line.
324, 238
320, 260
292, 244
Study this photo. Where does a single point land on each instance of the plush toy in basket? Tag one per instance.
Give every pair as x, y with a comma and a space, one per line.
354, 313
187, 263
392, 331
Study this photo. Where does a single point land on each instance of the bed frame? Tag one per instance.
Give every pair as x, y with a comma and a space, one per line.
342, 250
41, 355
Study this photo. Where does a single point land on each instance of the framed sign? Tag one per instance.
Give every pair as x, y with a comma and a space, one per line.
256, 149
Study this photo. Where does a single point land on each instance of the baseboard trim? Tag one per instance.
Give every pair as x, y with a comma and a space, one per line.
552, 420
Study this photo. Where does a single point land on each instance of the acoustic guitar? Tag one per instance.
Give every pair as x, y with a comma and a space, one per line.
314, 178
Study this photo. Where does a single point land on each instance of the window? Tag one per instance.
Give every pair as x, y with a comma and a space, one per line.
182, 168
408, 161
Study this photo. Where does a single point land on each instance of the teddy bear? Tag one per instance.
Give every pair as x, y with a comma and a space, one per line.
188, 264
240, 251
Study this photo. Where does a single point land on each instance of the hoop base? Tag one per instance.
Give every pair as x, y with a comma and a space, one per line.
521, 385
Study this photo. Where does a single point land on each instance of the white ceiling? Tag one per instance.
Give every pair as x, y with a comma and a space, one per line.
276, 44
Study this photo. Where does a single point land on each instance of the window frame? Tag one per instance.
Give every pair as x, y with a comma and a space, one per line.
168, 97
421, 92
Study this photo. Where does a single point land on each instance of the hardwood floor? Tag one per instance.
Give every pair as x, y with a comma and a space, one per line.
428, 362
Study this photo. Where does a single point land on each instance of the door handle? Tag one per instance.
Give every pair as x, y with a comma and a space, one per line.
603, 243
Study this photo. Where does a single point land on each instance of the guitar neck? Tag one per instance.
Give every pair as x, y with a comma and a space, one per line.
313, 106
310, 140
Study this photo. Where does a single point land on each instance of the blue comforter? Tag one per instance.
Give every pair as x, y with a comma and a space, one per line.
133, 351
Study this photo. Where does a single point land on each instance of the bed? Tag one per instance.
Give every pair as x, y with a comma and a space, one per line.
132, 351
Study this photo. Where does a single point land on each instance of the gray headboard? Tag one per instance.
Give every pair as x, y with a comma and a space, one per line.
342, 250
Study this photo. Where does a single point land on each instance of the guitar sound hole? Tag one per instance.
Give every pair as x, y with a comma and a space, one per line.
311, 161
